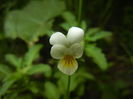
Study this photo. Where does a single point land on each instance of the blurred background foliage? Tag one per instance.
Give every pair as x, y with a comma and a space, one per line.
27, 70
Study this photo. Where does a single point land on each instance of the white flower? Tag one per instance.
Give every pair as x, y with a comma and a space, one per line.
67, 48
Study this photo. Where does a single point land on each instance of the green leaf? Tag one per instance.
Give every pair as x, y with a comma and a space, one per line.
70, 21
95, 34
51, 91
97, 55
5, 69
62, 81
13, 60
83, 25
108, 91
8, 82
131, 59
31, 55
79, 78
69, 18
76, 79
2, 36
119, 84
17, 95
33, 87
25, 96
33, 21
6, 86
40, 68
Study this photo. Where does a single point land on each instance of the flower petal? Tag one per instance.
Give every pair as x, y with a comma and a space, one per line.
57, 51
76, 50
68, 65
75, 35
58, 38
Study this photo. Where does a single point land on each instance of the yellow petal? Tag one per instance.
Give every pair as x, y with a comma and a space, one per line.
68, 65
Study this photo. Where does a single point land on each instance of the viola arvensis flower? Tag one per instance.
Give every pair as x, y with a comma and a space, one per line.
67, 49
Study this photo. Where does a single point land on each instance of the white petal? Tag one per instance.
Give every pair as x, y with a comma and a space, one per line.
57, 38
76, 50
57, 51
68, 65
75, 35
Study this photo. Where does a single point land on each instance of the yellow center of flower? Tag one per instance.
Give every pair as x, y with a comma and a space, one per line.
68, 64
68, 61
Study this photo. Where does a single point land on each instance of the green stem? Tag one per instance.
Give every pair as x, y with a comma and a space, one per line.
79, 12
68, 4
68, 87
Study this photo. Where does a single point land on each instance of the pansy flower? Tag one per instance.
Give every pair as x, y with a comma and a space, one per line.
67, 49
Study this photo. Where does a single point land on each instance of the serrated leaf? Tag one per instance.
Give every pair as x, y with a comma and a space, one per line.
51, 91
32, 21
95, 34
13, 60
40, 68
31, 55
96, 54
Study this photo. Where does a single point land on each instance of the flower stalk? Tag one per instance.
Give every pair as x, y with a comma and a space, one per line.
65, 49
79, 12
68, 87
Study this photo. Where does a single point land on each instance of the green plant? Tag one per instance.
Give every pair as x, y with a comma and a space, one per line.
21, 68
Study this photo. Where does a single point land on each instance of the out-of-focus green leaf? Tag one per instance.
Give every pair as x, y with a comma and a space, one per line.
34, 20
31, 55
83, 25
78, 78
95, 34
108, 91
131, 59
97, 55
5, 86
119, 84
13, 60
33, 87
62, 81
8, 81
70, 20
51, 91
40, 68
5, 69
26, 96
11, 96
2, 36
18, 96
80, 91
